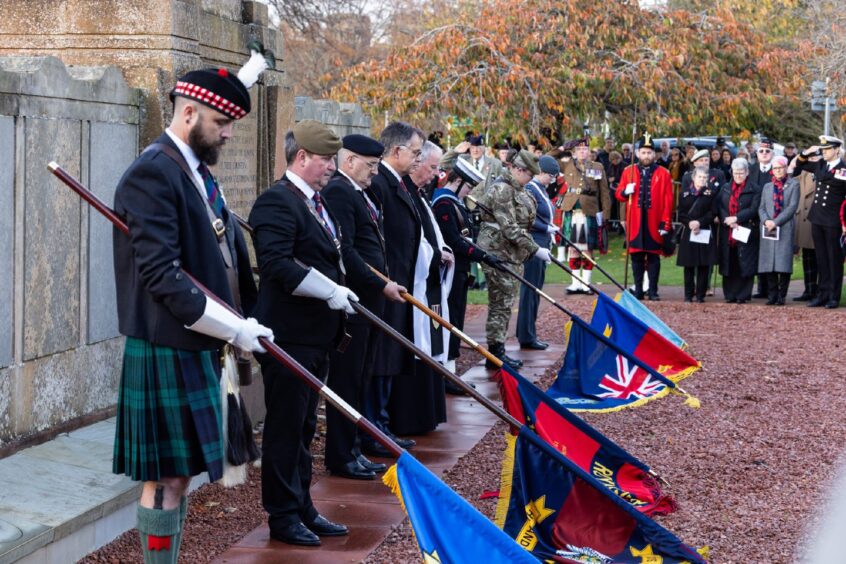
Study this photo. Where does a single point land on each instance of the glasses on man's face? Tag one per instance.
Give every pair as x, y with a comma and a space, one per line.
416, 153
371, 165
765, 151
779, 167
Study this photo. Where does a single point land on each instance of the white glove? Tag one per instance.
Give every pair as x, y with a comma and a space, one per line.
219, 322
661, 232
629, 190
317, 285
543, 254
599, 219
552, 229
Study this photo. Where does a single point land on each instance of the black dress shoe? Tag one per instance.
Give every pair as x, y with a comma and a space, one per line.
455, 390
512, 362
653, 298
404, 443
771, 301
354, 471
296, 533
573, 291
759, 296
831, 304
535, 346
817, 302
323, 527
780, 302
370, 465
805, 297
700, 300
375, 449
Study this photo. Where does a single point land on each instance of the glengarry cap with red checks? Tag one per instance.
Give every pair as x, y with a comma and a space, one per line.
218, 89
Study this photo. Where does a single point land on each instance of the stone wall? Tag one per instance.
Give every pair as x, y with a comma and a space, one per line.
344, 118
59, 346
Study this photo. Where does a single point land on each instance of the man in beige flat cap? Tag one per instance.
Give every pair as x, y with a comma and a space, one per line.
297, 242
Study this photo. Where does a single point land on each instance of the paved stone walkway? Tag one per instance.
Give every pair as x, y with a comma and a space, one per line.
369, 508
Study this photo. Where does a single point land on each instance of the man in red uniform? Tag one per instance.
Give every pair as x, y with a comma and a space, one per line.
648, 189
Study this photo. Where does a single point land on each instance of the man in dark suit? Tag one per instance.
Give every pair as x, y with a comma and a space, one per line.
359, 214
827, 222
403, 146
302, 296
168, 409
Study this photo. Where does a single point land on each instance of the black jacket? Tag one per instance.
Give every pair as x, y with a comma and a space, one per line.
363, 243
830, 192
697, 207
453, 218
748, 201
287, 236
759, 178
170, 234
402, 230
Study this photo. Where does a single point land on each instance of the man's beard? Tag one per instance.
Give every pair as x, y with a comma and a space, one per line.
207, 152
645, 162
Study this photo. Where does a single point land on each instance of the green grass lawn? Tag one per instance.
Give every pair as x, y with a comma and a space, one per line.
614, 263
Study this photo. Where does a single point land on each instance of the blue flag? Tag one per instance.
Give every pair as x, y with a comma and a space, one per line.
560, 513
598, 375
637, 338
636, 307
447, 528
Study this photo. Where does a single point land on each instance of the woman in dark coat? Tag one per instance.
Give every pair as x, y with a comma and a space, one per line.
696, 212
737, 206
779, 201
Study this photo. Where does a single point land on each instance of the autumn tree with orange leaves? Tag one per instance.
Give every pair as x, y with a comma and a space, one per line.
518, 67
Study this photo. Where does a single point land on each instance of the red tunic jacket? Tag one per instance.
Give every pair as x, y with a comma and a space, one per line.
658, 216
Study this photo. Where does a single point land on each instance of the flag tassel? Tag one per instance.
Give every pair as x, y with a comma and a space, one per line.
690, 400
505, 480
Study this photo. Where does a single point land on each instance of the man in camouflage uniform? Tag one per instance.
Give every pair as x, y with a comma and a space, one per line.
586, 204
505, 233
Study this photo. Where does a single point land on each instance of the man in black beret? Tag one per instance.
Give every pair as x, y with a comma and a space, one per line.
169, 402
303, 298
359, 214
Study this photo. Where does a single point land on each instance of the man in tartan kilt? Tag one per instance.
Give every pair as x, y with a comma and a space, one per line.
169, 407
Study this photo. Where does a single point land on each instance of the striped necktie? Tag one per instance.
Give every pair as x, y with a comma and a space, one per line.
318, 206
212, 189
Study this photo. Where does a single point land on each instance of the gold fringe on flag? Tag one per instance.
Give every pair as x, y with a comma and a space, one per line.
505, 480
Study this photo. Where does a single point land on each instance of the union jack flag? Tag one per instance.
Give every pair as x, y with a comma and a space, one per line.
631, 382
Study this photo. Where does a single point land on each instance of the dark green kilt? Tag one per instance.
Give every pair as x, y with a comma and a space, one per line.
588, 236
168, 413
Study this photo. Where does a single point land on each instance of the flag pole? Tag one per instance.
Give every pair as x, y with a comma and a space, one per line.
449, 326
439, 368
272, 348
629, 206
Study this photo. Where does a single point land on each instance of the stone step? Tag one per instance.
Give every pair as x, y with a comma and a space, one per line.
60, 500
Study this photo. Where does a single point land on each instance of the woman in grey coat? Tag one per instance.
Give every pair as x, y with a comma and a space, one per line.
779, 200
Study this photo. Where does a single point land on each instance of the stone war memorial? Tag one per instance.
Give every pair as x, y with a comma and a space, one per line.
85, 83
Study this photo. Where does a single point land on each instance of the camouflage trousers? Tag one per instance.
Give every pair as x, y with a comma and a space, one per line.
502, 291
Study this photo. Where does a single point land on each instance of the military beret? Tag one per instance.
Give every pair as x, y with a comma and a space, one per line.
549, 165
477, 140
699, 154
527, 160
765, 143
218, 89
363, 145
827, 142
316, 137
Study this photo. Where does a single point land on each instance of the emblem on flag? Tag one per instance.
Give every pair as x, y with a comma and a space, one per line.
631, 382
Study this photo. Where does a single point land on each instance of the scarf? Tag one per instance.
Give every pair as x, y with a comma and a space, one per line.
734, 206
778, 196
